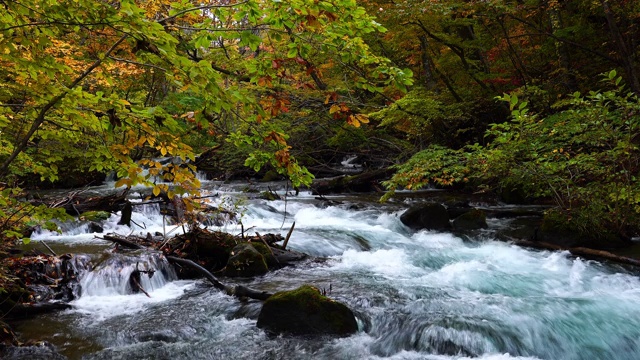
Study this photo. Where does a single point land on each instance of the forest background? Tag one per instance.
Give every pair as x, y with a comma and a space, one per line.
535, 101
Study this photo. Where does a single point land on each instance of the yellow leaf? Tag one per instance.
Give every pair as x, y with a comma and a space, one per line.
123, 182
163, 150
362, 118
156, 190
352, 120
334, 109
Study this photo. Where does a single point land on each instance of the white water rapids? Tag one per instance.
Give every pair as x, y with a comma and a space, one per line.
417, 295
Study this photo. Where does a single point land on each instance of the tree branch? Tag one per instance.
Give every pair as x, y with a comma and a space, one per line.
43, 113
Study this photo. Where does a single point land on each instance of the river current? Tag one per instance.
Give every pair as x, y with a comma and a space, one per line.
416, 295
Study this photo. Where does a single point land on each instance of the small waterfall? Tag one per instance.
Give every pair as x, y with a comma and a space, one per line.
112, 276
349, 164
201, 176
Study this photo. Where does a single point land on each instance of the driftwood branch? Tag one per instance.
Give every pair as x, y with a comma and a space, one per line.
121, 241
286, 240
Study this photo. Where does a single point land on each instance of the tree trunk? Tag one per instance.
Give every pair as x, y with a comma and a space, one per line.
427, 63
625, 53
562, 51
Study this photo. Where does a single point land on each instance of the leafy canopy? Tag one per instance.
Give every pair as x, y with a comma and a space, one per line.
114, 85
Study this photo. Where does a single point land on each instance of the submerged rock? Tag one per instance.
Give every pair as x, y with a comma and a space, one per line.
430, 216
305, 311
245, 261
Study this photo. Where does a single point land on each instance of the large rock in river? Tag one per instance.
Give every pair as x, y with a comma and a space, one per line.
305, 311
471, 220
430, 216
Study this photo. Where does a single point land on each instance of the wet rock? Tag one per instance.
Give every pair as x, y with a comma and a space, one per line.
245, 261
430, 216
471, 220
288, 257
94, 227
165, 335
305, 311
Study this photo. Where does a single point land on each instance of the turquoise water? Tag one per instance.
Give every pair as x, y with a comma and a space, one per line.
417, 295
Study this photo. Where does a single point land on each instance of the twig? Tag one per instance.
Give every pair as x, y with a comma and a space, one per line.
51, 250
140, 287
265, 243
243, 230
141, 227
286, 239
118, 240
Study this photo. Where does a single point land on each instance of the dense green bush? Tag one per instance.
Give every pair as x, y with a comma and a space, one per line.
585, 157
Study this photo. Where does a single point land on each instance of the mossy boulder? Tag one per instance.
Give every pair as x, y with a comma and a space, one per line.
245, 261
471, 220
430, 216
266, 252
305, 311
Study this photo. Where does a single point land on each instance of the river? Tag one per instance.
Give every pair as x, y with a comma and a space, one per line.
416, 295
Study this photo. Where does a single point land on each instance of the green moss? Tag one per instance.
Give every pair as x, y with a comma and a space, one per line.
266, 253
95, 215
306, 311
307, 296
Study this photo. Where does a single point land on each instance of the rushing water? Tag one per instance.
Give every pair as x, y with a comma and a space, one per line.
417, 295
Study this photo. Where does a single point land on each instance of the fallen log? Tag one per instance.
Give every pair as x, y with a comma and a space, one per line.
579, 251
237, 291
75, 205
368, 181
121, 241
